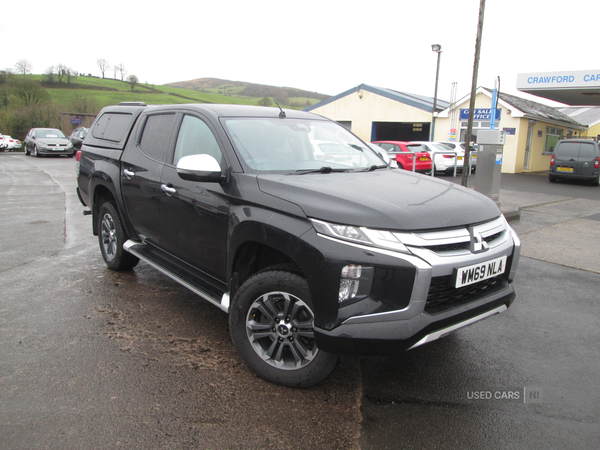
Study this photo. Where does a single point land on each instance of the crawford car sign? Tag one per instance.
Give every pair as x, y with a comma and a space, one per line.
582, 78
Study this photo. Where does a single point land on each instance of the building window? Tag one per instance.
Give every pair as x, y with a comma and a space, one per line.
477, 125
553, 135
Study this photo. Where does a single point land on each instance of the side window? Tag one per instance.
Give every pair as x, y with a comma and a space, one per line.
155, 137
387, 147
195, 138
112, 127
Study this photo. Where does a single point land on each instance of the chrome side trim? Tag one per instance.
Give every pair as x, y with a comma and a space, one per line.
129, 246
445, 331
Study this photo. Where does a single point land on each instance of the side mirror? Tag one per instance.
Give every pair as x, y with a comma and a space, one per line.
201, 168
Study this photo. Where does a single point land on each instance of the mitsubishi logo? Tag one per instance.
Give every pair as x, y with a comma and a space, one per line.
478, 245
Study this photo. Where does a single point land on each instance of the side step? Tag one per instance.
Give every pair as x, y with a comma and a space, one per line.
187, 280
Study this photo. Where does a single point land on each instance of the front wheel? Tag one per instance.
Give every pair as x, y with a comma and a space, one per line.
111, 237
272, 327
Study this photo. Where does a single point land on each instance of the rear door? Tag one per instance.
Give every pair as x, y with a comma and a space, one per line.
566, 157
586, 159
141, 169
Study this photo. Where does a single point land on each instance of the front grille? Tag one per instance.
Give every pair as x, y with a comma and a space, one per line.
449, 247
491, 238
443, 294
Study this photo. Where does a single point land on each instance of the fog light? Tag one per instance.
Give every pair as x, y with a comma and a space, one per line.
348, 289
349, 283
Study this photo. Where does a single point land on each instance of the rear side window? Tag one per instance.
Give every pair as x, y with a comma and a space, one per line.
112, 127
156, 135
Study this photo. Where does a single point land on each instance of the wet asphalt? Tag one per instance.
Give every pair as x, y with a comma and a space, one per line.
91, 358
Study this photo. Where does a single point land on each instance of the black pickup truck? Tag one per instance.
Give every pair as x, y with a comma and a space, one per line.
296, 228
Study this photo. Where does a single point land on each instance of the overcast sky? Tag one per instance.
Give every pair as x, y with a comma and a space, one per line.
326, 46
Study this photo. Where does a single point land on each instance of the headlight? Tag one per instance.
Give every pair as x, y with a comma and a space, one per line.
360, 235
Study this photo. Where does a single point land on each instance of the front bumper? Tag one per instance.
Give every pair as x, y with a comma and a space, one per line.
66, 151
433, 306
396, 335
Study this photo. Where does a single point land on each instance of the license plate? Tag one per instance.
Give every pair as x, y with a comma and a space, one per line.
460, 158
423, 159
564, 169
479, 272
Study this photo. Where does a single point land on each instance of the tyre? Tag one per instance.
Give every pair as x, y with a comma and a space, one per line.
552, 179
111, 237
271, 324
35, 152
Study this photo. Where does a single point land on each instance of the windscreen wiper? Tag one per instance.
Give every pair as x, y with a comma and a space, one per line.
375, 167
324, 169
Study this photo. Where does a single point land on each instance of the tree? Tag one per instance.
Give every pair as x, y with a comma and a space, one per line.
23, 66
132, 80
31, 92
121, 69
49, 73
103, 65
265, 101
84, 104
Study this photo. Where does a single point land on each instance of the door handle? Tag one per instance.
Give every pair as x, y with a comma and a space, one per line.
128, 173
168, 189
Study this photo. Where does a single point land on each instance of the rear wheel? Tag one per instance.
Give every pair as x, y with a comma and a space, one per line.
272, 327
111, 237
552, 179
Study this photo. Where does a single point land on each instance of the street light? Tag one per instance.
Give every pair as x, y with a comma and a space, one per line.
438, 49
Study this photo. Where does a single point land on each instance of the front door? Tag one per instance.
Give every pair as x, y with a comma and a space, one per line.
194, 215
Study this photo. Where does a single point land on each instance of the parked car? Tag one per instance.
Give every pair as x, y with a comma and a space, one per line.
389, 158
77, 137
406, 155
310, 259
576, 159
460, 148
10, 144
444, 162
48, 141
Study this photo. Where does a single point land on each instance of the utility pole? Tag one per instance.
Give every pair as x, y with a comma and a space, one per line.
467, 160
438, 49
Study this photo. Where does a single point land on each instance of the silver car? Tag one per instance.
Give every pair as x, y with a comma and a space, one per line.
47, 141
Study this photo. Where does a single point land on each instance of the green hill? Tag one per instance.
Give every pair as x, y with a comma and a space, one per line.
107, 91
39, 100
286, 96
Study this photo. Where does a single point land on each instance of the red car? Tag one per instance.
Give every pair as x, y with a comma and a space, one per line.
405, 156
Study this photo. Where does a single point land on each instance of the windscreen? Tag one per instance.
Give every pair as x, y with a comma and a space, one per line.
296, 145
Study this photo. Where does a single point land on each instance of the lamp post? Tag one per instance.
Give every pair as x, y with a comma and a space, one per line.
438, 49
